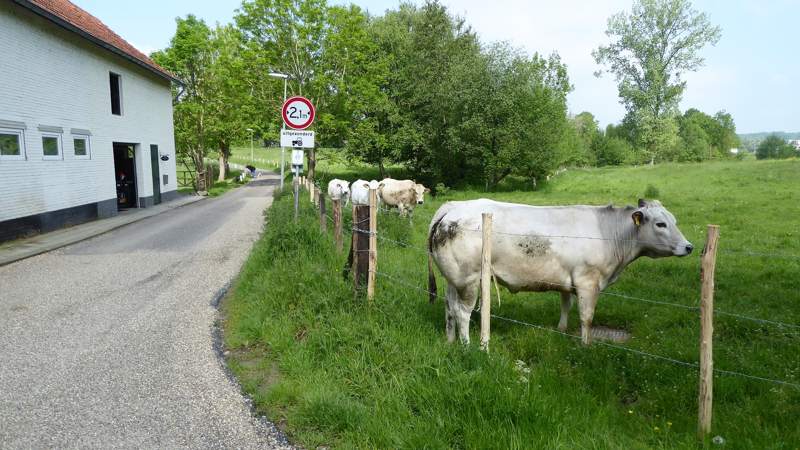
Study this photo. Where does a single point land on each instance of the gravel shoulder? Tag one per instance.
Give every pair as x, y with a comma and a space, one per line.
108, 343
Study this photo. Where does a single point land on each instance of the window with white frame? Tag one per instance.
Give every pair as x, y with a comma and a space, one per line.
12, 144
51, 146
81, 146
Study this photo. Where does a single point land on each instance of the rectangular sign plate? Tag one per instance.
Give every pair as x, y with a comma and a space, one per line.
297, 139
297, 157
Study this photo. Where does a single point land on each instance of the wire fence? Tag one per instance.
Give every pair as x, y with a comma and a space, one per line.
643, 353
355, 228
408, 246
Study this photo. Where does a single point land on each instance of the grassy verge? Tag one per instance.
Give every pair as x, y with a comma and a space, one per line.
335, 371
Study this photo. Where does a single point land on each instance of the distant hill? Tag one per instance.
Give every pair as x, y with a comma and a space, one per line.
763, 134
751, 140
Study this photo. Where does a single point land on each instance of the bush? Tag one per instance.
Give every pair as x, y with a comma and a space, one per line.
651, 192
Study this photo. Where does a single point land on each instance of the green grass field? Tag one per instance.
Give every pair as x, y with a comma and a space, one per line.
332, 370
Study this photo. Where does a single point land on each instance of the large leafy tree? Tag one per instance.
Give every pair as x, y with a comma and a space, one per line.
189, 57
651, 48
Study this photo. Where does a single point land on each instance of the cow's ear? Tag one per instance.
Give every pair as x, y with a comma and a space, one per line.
642, 203
638, 217
427, 190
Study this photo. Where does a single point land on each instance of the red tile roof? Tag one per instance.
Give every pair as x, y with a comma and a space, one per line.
70, 16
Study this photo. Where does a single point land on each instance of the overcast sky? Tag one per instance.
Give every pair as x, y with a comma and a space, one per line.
753, 72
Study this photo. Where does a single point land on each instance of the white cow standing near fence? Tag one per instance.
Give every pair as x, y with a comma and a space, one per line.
359, 192
576, 250
404, 194
339, 190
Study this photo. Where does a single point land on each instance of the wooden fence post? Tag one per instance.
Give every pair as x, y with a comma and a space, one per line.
373, 243
360, 247
337, 224
316, 196
310, 191
706, 389
486, 279
323, 217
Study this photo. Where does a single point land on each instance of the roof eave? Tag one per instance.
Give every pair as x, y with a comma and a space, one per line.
68, 26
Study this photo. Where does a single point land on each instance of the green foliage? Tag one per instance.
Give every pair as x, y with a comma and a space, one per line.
344, 374
774, 147
651, 48
652, 192
613, 151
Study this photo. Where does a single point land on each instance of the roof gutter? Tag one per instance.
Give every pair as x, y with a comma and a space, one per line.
68, 26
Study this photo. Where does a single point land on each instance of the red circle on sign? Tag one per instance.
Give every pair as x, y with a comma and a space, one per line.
306, 122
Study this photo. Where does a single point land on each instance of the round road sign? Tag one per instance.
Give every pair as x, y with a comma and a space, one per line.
298, 113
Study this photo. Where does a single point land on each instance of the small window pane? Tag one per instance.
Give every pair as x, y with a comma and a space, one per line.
50, 145
80, 147
9, 145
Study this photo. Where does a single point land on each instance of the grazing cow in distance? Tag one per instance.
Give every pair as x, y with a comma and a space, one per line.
359, 192
339, 190
575, 250
404, 194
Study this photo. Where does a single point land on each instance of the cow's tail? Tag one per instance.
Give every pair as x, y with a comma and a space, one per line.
431, 280
431, 275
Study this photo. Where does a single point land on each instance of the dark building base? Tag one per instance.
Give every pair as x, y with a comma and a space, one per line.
53, 220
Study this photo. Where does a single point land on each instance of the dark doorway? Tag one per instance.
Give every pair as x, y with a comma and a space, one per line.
154, 157
125, 174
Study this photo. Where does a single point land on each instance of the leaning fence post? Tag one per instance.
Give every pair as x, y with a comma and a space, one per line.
486, 279
323, 218
373, 243
337, 224
706, 389
316, 196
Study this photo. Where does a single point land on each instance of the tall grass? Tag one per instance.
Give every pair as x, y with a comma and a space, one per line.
335, 371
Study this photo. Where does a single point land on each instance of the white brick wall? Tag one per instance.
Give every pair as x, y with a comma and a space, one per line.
52, 77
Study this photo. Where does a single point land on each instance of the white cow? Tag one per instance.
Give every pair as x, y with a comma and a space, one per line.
359, 192
404, 194
339, 190
576, 250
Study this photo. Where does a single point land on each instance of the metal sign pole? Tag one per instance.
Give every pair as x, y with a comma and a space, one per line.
296, 183
283, 152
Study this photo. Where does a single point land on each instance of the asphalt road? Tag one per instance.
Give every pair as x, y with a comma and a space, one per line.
109, 342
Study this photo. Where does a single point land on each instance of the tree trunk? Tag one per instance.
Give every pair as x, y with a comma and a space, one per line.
312, 162
381, 169
224, 152
200, 169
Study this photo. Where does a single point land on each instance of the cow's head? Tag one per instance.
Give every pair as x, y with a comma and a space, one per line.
420, 191
657, 231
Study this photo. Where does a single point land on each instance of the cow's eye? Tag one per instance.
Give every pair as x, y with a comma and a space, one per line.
661, 225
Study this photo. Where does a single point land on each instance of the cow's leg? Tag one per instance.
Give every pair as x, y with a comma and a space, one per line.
469, 296
587, 300
451, 306
566, 304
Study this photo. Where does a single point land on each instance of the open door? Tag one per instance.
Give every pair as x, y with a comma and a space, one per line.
154, 165
125, 175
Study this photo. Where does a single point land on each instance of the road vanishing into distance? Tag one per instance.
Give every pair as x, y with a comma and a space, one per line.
110, 342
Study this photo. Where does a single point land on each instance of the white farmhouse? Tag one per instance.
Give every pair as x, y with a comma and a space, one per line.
85, 120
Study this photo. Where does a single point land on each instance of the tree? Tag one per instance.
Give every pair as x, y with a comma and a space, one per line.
651, 48
774, 147
229, 102
188, 57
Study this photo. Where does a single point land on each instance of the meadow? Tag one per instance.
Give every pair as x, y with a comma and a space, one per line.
332, 370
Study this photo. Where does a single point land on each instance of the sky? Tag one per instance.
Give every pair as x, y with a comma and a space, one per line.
752, 73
